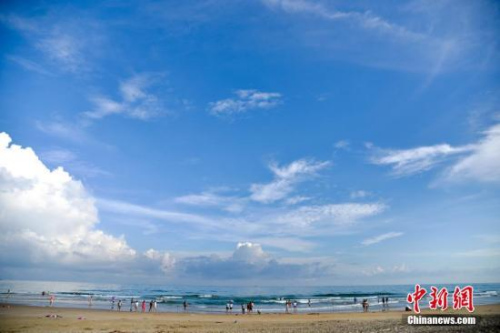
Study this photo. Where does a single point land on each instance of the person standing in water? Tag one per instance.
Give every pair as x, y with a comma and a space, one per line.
143, 306
119, 305
90, 301
51, 300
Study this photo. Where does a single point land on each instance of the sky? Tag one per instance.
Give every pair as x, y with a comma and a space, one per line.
231, 142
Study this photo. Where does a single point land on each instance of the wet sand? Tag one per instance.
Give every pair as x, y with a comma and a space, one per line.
16, 318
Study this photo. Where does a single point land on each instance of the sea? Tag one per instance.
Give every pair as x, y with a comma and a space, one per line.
214, 299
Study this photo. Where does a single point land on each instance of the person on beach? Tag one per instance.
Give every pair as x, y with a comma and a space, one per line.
113, 303
355, 300
227, 307
242, 308
131, 304
136, 305
286, 306
151, 306
90, 301
365, 305
309, 302
119, 305
51, 300
185, 305
143, 306
295, 306
231, 306
155, 305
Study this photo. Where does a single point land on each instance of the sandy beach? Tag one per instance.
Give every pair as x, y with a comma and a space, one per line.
15, 318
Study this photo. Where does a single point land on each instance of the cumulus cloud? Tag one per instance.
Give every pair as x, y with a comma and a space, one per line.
248, 262
479, 161
166, 260
285, 178
48, 215
136, 101
381, 238
244, 101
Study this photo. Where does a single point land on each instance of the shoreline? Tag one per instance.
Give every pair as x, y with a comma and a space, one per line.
21, 318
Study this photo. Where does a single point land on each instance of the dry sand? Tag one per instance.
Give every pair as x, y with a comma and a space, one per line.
15, 318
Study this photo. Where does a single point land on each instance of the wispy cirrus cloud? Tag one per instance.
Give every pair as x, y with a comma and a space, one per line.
415, 160
366, 19
66, 45
29, 65
210, 199
479, 161
381, 238
285, 178
136, 100
245, 100
397, 42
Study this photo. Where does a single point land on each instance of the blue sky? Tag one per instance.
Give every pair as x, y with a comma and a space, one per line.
338, 142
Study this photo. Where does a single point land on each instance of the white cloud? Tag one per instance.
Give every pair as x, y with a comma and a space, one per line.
359, 194
30, 65
128, 209
399, 41
296, 199
67, 44
248, 262
209, 199
167, 261
479, 161
343, 214
342, 144
480, 253
250, 253
58, 156
483, 164
47, 215
285, 179
136, 101
365, 19
64, 130
381, 238
245, 100
416, 160
64, 49
68, 159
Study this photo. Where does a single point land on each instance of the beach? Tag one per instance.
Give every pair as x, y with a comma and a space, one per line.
19, 318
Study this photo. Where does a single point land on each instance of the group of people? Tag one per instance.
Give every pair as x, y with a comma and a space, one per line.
289, 304
248, 308
134, 305
385, 303
52, 298
366, 305
229, 307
